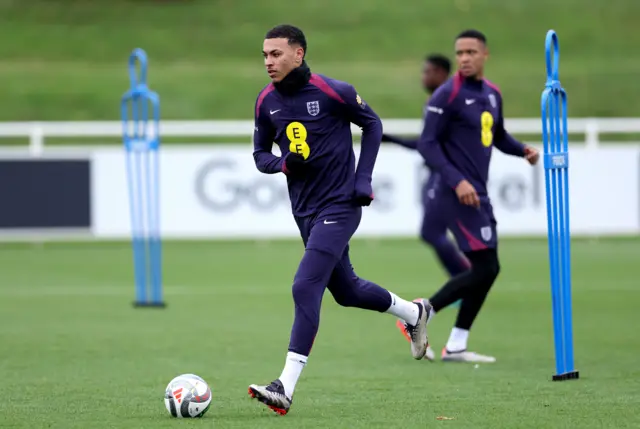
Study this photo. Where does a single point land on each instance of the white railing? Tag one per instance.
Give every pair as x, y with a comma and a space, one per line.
37, 132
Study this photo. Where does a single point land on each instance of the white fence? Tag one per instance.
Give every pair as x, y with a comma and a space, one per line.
214, 191
37, 132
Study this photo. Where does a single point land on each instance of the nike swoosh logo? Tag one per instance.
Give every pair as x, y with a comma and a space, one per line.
326, 222
271, 112
469, 101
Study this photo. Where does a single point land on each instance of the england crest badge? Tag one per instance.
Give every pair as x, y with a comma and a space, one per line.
313, 107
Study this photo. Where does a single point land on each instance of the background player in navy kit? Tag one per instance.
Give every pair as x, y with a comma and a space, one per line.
433, 230
435, 72
309, 116
463, 122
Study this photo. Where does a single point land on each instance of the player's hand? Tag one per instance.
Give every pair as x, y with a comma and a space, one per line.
467, 194
363, 194
293, 164
531, 154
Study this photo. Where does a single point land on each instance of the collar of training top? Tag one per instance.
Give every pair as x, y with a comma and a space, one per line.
473, 83
295, 80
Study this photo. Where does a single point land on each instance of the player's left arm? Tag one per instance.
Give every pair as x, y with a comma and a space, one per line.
358, 112
508, 144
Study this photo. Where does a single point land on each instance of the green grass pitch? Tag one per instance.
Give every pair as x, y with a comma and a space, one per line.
76, 354
67, 59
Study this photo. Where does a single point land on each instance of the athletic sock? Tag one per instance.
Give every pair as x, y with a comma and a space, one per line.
457, 340
292, 369
405, 310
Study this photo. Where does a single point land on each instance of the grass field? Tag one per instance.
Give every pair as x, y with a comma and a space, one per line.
67, 59
75, 354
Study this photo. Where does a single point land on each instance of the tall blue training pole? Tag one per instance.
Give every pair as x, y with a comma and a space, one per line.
141, 140
556, 165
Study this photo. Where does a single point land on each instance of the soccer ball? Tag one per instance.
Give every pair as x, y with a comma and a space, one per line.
187, 396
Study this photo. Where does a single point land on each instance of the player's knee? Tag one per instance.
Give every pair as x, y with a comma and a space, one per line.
298, 291
494, 265
487, 269
496, 268
304, 293
312, 276
490, 274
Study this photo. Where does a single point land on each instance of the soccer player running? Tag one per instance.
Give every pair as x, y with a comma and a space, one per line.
433, 231
463, 122
309, 116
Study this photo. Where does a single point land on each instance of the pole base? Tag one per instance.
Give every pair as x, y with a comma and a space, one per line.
145, 304
573, 375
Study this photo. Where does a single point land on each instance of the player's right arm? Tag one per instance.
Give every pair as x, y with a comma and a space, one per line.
263, 137
434, 133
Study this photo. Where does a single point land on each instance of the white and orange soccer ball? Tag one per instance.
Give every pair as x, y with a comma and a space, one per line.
187, 396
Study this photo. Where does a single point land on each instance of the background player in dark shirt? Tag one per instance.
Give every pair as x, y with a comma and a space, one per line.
463, 123
309, 117
435, 71
433, 231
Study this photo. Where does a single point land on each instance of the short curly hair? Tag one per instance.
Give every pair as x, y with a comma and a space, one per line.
293, 34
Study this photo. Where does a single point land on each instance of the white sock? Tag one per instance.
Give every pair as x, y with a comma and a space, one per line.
292, 369
457, 340
405, 310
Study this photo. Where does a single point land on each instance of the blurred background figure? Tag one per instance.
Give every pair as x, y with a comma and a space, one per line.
433, 231
435, 71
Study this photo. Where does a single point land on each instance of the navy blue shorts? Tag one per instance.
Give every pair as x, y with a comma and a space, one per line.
473, 228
